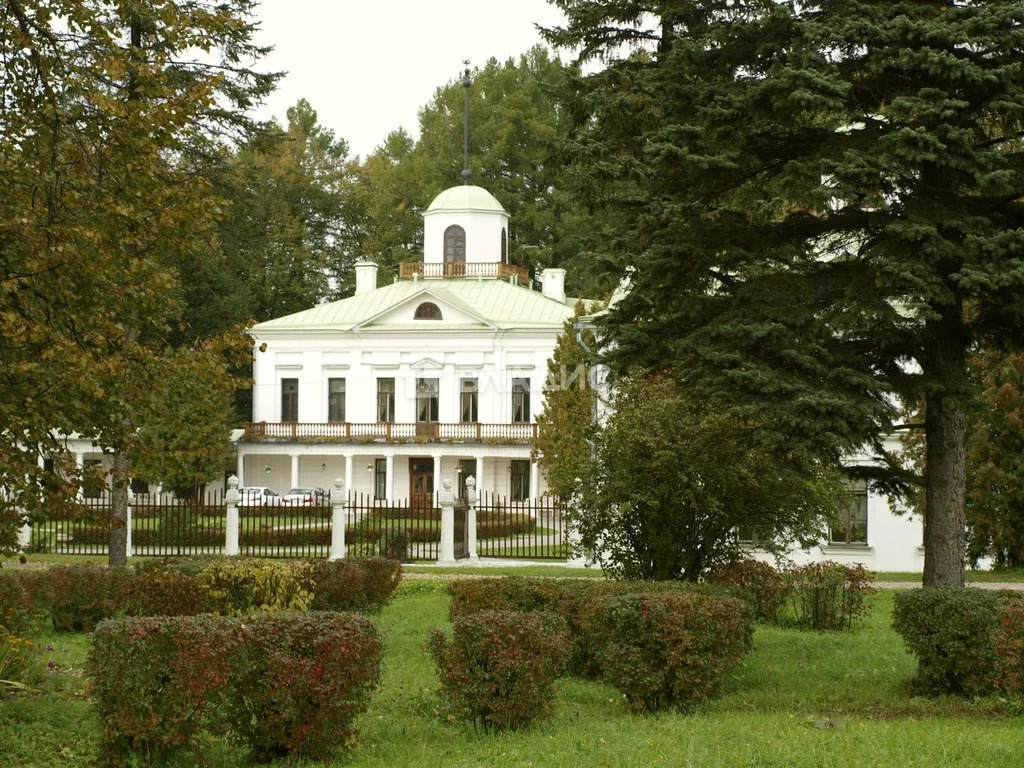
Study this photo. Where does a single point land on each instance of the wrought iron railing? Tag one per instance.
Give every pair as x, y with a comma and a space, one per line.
389, 432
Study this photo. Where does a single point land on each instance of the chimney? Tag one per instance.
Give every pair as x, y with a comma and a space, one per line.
366, 277
552, 284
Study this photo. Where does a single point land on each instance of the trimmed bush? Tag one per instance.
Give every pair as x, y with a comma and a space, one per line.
247, 586
382, 579
18, 612
165, 593
156, 680
1008, 648
499, 668
336, 585
283, 683
829, 595
303, 678
951, 631
672, 649
577, 601
81, 596
767, 586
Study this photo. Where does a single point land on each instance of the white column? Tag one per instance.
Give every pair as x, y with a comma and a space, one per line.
240, 468
447, 549
437, 479
231, 502
389, 476
471, 518
479, 474
79, 463
295, 470
534, 480
339, 504
128, 522
348, 472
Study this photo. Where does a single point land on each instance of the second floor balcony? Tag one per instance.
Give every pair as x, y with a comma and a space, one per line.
390, 432
408, 270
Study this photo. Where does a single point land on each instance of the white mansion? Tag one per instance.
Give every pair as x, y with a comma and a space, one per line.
437, 375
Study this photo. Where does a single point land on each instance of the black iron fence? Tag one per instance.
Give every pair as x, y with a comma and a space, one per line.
276, 529
392, 528
168, 526
531, 529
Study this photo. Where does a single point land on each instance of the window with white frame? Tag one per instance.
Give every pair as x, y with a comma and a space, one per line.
335, 399
385, 400
851, 525
469, 400
520, 471
289, 399
520, 401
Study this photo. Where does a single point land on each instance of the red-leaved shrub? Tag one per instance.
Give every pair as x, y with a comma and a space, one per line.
768, 587
282, 683
499, 668
165, 593
302, 679
671, 649
1008, 647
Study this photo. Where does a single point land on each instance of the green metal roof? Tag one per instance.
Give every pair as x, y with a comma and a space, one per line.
465, 198
492, 303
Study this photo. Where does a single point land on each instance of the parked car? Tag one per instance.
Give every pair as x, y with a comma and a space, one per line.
305, 497
257, 497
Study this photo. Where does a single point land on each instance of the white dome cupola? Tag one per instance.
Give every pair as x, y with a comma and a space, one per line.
465, 224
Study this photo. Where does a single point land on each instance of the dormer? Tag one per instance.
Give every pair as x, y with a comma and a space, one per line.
465, 225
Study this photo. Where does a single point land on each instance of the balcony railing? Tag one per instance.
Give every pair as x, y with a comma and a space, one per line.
428, 432
409, 269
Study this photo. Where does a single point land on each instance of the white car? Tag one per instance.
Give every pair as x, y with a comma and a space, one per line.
258, 497
305, 497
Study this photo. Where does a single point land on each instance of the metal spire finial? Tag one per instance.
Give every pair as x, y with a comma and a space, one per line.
466, 82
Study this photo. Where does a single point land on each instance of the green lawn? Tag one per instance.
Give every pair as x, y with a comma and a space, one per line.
800, 699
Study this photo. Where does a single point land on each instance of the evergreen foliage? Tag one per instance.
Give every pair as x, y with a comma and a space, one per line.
824, 207
567, 425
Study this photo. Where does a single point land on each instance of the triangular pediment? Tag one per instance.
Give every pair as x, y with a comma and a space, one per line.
403, 315
427, 364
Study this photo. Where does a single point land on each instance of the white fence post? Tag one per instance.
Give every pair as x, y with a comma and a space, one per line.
231, 499
471, 517
570, 532
25, 536
339, 504
129, 549
447, 549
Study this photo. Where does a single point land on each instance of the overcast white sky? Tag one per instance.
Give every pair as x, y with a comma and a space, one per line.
367, 67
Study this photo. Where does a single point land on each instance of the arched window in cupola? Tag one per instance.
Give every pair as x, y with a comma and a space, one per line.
427, 311
504, 246
454, 250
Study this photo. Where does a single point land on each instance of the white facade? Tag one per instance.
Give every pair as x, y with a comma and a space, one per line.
439, 375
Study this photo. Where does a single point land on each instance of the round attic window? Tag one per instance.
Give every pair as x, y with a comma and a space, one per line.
427, 311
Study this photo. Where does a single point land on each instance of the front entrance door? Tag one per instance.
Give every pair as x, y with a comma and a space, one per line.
421, 483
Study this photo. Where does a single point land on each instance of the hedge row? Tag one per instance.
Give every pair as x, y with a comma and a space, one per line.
280, 683
820, 596
79, 597
661, 644
968, 642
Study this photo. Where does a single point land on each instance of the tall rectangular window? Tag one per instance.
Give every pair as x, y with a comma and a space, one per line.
380, 479
520, 490
289, 399
385, 400
469, 400
851, 526
426, 399
520, 401
335, 399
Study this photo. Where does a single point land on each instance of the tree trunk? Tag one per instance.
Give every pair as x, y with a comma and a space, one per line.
945, 452
118, 550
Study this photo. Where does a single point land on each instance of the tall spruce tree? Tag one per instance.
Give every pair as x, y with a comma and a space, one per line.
567, 425
826, 211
